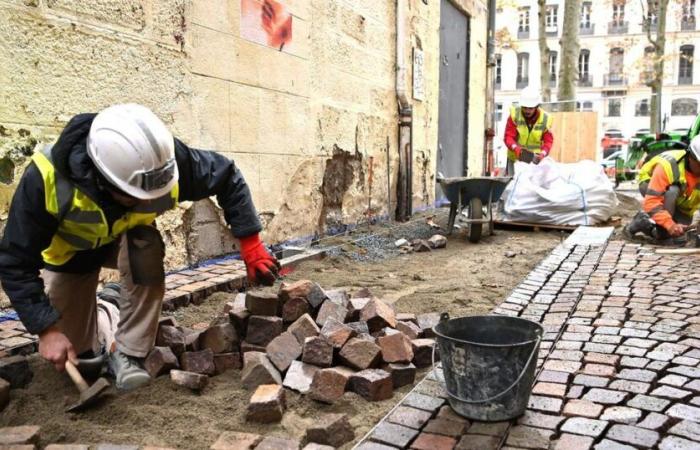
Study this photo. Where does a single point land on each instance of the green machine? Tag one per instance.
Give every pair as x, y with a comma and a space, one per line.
644, 146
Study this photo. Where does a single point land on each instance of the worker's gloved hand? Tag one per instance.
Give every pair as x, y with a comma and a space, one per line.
518, 151
538, 158
55, 347
677, 230
261, 266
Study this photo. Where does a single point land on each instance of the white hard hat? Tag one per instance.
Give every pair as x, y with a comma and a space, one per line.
134, 150
694, 147
530, 97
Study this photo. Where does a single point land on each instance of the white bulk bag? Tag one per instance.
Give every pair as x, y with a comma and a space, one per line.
562, 194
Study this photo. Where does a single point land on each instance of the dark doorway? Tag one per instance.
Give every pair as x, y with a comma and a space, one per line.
454, 93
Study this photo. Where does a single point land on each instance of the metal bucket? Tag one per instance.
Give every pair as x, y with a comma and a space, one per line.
488, 364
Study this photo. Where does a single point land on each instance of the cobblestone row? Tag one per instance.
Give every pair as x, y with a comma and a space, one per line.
182, 288
619, 365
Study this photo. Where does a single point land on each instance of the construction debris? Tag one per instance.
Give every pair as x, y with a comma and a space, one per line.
234, 440
436, 241
267, 404
257, 370
401, 374
401, 243
333, 344
26, 434
201, 362
191, 380
160, 360
227, 361
275, 443
299, 377
4, 393
332, 429
372, 384
329, 385
16, 370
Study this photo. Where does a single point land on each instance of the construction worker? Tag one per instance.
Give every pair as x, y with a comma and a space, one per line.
90, 201
668, 183
528, 135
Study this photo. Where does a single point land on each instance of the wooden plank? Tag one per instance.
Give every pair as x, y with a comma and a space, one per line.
575, 136
533, 225
677, 251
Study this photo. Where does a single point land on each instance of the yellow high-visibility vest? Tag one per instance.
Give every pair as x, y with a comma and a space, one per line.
673, 163
528, 138
82, 225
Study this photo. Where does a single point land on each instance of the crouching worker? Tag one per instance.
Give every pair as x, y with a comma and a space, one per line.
669, 184
90, 201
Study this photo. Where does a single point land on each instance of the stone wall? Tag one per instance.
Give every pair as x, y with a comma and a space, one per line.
306, 125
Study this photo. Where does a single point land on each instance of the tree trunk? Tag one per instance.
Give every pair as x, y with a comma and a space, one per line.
544, 50
659, 44
568, 68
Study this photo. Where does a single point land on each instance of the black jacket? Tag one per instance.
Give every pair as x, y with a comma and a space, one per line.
30, 227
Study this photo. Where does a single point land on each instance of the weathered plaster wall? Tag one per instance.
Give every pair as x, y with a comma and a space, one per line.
314, 129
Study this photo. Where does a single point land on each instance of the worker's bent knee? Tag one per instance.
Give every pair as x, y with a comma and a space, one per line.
146, 254
643, 186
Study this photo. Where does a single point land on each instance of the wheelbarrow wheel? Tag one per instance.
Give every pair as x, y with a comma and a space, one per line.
475, 213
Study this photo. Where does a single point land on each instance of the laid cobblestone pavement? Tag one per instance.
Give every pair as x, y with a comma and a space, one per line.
619, 364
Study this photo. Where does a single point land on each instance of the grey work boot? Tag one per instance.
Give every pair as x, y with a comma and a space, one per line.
641, 222
127, 371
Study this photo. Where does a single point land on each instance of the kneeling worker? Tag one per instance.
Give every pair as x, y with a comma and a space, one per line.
90, 201
668, 183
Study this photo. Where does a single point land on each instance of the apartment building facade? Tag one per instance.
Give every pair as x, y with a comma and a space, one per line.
613, 62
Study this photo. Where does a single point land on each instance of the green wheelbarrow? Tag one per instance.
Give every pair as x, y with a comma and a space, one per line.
474, 193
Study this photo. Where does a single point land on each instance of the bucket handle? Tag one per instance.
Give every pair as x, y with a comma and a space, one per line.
493, 397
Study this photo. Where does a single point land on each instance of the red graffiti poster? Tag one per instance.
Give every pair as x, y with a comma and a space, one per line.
266, 22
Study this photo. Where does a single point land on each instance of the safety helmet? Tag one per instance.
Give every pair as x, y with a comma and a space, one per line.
694, 147
530, 98
134, 151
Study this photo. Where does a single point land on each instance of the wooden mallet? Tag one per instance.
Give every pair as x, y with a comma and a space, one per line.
88, 394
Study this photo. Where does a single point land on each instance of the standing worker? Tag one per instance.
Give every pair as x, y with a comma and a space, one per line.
668, 183
90, 201
528, 135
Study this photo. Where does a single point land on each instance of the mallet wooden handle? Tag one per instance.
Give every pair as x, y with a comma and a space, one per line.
76, 377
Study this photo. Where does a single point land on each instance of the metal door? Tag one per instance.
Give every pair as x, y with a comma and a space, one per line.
454, 93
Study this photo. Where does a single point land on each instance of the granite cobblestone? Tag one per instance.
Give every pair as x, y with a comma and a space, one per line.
619, 364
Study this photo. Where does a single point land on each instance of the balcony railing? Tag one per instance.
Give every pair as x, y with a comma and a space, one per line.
585, 81
521, 83
552, 82
685, 79
524, 34
614, 79
587, 30
551, 30
618, 27
688, 24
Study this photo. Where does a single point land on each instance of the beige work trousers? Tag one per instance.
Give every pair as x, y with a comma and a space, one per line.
74, 296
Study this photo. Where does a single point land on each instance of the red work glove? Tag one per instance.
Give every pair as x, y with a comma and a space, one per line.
677, 229
518, 150
261, 266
